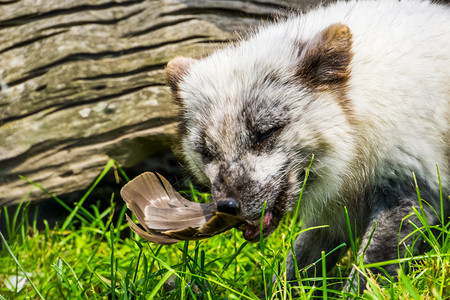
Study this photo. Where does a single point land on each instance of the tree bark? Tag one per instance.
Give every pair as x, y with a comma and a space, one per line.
82, 81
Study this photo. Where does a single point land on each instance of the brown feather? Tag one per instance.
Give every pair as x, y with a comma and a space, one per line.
159, 239
167, 217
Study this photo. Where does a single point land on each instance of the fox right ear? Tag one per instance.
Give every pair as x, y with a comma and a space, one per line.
326, 58
175, 70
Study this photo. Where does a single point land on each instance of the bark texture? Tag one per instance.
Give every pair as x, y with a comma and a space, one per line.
81, 81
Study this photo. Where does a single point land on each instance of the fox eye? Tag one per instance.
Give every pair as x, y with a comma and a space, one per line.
206, 155
262, 136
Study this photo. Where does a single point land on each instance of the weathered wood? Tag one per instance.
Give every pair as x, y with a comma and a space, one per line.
82, 81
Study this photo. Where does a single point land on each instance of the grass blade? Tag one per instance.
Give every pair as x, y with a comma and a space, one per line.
5, 243
69, 219
324, 276
407, 283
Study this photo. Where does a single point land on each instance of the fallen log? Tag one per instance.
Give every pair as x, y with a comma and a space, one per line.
82, 82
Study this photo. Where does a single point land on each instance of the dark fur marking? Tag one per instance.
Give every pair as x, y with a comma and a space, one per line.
264, 129
324, 65
315, 241
325, 59
389, 205
206, 147
234, 181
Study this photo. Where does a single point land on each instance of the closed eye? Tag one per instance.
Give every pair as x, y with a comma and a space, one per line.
261, 137
206, 155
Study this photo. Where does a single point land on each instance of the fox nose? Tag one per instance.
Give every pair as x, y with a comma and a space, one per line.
229, 206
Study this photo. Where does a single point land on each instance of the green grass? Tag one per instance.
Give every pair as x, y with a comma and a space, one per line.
93, 255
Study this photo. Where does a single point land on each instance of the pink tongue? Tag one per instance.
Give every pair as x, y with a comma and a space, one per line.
251, 231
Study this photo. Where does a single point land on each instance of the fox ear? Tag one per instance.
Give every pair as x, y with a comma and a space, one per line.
175, 70
324, 60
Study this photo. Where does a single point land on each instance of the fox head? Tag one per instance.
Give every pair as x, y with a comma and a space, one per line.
253, 114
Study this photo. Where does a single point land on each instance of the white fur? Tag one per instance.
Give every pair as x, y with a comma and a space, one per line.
399, 90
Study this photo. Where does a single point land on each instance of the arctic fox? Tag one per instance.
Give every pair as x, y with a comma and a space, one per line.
364, 86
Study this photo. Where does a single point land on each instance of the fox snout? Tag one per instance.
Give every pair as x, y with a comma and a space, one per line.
230, 206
